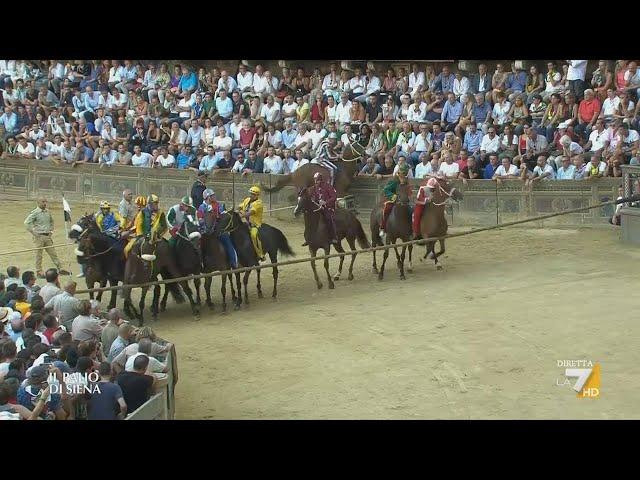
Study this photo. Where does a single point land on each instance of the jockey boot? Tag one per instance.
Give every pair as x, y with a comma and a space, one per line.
305, 244
64, 272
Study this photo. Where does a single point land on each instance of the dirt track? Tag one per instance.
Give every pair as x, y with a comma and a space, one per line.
478, 340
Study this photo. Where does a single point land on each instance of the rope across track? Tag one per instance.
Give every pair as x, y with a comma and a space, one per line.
364, 250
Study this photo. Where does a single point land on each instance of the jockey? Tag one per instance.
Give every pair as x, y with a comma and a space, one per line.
177, 215
251, 209
326, 154
150, 221
110, 223
325, 195
425, 194
391, 193
211, 204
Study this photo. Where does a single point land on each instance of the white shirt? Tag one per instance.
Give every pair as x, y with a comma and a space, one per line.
417, 116
274, 140
501, 172
575, 148
415, 80
577, 69
488, 145
185, 103
342, 112
297, 164
598, 139
55, 149
222, 143
356, 85
316, 137
538, 172
142, 160
230, 85
609, 106
421, 142
155, 366
302, 139
270, 114
166, 161
460, 87
273, 165
422, 170
602, 166
449, 170
43, 152
373, 85
290, 108
245, 81
397, 169
500, 111
329, 83
259, 83
29, 148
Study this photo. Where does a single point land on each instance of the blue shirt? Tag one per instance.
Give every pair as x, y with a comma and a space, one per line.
224, 107
103, 405
566, 174
256, 166
489, 171
188, 82
183, 160
91, 101
210, 162
444, 83
480, 111
289, 137
10, 122
516, 81
26, 397
451, 113
472, 141
117, 347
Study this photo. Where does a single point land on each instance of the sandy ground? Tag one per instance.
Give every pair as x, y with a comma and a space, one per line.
478, 340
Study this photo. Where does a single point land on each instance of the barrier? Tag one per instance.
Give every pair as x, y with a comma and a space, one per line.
486, 202
161, 406
630, 212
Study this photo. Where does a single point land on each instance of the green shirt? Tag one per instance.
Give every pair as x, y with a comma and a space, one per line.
391, 188
207, 106
39, 221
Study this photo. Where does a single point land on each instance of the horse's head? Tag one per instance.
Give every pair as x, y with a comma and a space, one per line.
304, 202
191, 232
403, 194
85, 247
86, 224
445, 190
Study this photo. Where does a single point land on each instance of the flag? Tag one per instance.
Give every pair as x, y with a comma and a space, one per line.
67, 210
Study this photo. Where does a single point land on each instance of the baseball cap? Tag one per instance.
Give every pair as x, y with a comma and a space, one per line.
38, 372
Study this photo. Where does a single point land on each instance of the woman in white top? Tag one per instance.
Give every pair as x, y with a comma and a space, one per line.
389, 110
343, 84
107, 132
330, 110
403, 111
501, 109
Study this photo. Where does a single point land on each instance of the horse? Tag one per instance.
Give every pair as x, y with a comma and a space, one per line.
215, 258
188, 256
398, 226
433, 222
347, 227
95, 251
303, 176
149, 258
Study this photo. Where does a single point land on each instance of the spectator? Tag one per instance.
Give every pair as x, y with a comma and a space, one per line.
136, 385
52, 288
542, 171
84, 326
567, 170
107, 401
65, 305
490, 144
34, 394
451, 113
448, 167
506, 170
471, 171
596, 168
588, 113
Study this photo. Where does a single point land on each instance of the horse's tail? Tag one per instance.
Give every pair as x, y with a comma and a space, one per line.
363, 241
283, 181
282, 243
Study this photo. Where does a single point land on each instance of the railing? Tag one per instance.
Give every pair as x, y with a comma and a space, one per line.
485, 202
161, 406
630, 213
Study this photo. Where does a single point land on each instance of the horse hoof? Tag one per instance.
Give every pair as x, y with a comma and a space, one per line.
380, 276
430, 255
319, 286
236, 307
163, 308
331, 286
402, 277
274, 298
196, 318
260, 295
336, 278
350, 277
439, 267
374, 270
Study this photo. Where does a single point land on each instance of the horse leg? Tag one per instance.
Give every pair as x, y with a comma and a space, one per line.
143, 296
429, 250
114, 294
195, 311
313, 267
207, 291
384, 260
402, 255
274, 259
223, 291
352, 245
245, 282
374, 243
154, 302
237, 299
327, 251
196, 282
436, 255
338, 247
260, 295
163, 302
410, 269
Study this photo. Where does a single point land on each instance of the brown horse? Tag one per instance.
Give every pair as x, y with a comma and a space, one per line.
398, 227
303, 176
434, 222
347, 227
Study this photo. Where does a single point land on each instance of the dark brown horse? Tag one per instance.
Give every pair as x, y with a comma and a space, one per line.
215, 258
303, 176
434, 222
347, 227
398, 227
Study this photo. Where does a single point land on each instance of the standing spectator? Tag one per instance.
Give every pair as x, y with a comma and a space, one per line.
65, 305
126, 333
52, 288
40, 224
272, 163
576, 76
481, 82
85, 326
107, 402
136, 385
110, 330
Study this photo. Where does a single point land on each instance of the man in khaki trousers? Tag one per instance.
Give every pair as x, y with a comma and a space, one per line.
40, 223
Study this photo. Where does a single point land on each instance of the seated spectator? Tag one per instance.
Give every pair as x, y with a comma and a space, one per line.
85, 326
471, 171
588, 113
567, 170
126, 332
490, 144
596, 168
505, 171
386, 170
448, 167
370, 168
21, 303
542, 171
298, 161
402, 160
272, 163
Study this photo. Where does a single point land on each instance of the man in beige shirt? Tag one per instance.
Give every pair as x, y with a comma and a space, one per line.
40, 224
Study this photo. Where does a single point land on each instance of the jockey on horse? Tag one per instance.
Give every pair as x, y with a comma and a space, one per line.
326, 154
211, 204
179, 214
425, 194
112, 225
391, 192
149, 222
324, 195
251, 210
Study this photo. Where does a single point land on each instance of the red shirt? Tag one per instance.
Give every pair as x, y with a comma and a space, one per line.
462, 163
246, 136
326, 192
316, 112
49, 333
588, 109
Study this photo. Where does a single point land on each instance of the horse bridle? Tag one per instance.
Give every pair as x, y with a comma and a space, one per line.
447, 194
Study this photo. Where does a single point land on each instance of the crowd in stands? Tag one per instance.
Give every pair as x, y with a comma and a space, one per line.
572, 119
62, 358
